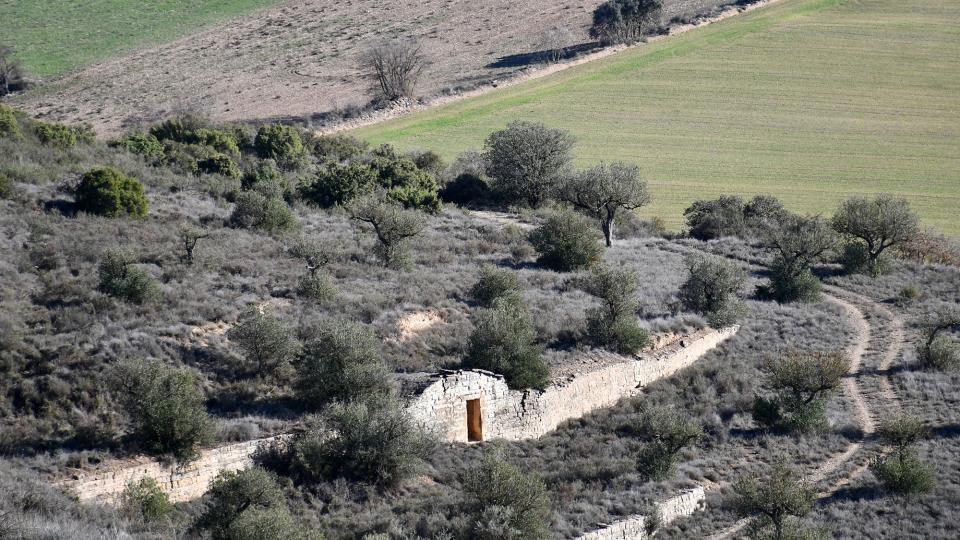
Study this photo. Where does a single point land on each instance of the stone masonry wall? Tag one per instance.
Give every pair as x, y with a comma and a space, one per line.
684, 504
180, 483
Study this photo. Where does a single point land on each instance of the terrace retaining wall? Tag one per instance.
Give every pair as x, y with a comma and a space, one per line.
684, 504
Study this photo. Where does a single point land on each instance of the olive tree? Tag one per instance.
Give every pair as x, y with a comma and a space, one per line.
393, 225
773, 497
625, 21
566, 242
604, 190
614, 325
526, 161
874, 225
801, 383
247, 505
503, 341
665, 433
504, 503
712, 289
395, 67
266, 342
799, 242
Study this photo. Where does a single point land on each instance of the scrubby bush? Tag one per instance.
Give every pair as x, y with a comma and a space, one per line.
333, 184
146, 500
317, 287
936, 350
165, 406
9, 127
142, 144
266, 342
770, 499
625, 21
503, 503
340, 361
902, 471
494, 283
374, 441
281, 144
800, 242
406, 183
337, 148
605, 190
566, 242
503, 341
712, 289
716, 218
247, 505
12, 77
266, 179
393, 225
105, 191
189, 237
6, 187
218, 164
614, 325
763, 211
526, 161
121, 279
182, 128
254, 211
665, 433
801, 383
875, 225
56, 135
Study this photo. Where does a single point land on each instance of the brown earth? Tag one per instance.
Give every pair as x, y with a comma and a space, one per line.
299, 58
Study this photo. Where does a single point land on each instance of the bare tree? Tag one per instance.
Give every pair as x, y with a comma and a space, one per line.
189, 236
603, 190
11, 72
554, 43
395, 66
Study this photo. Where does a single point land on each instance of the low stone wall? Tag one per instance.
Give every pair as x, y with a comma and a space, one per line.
512, 414
180, 483
684, 504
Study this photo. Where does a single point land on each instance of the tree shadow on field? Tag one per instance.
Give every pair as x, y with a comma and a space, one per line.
948, 431
62, 206
536, 57
854, 494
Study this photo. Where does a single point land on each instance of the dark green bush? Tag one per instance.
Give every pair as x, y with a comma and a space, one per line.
665, 434
165, 406
337, 147
56, 135
121, 279
317, 287
218, 164
566, 242
142, 144
503, 503
903, 473
254, 211
145, 499
266, 179
712, 289
340, 362
333, 184
625, 21
105, 191
876, 225
247, 505
9, 127
716, 218
622, 335
406, 183
6, 187
503, 341
181, 128
373, 441
281, 144
614, 325
526, 161
494, 283
941, 354
467, 189
788, 283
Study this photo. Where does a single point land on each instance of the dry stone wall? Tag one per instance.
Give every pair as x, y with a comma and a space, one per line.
179, 482
684, 504
513, 414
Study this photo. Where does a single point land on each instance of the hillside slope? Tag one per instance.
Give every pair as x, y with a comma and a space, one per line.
812, 100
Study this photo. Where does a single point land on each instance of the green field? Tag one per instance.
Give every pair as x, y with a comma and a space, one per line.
809, 100
54, 36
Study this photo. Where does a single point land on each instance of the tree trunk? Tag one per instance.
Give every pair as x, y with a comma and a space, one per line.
607, 226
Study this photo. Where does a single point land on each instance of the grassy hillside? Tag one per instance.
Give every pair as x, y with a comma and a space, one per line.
811, 100
54, 36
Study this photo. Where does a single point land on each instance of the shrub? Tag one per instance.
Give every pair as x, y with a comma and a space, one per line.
407, 184
876, 225
801, 382
340, 362
337, 147
494, 283
566, 242
665, 434
121, 279
717, 218
503, 342
317, 287
281, 144
904, 474
790, 284
393, 225
907, 295
165, 407
143, 144
9, 127
334, 184
145, 499
266, 179
247, 505
614, 325
181, 128
772, 498
254, 211
12, 77
218, 164
526, 161
800, 242
504, 503
712, 288
105, 191
603, 191
56, 135
266, 342
374, 441
763, 211
6, 187
625, 21
936, 350
395, 67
